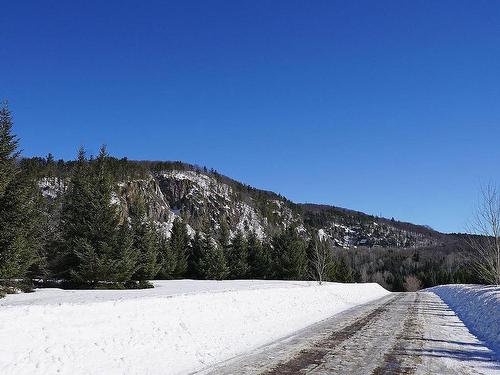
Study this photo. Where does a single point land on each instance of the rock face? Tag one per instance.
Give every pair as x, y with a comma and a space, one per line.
148, 190
202, 198
199, 198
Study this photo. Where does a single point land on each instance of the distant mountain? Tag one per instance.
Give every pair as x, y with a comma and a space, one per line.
204, 197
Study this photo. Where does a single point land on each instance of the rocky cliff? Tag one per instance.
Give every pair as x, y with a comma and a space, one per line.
202, 198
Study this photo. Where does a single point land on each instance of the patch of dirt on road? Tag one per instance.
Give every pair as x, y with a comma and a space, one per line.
399, 360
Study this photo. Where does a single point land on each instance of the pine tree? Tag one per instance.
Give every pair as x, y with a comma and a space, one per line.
179, 245
168, 259
259, 261
8, 149
224, 232
237, 258
146, 242
20, 218
344, 273
75, 218
126, 256
195, 256
96, 246
213, 264
91, 249
289, 255
21, 235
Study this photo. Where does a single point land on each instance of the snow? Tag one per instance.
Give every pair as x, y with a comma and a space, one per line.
447, 346
207, 188
248, 220
478, 306
203, 185
322, 235
178, 327
52, 187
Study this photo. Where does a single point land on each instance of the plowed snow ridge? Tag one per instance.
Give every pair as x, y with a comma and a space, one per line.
176, 328
478, 306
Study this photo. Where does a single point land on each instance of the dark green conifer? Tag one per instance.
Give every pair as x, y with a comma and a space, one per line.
21, 228
259, 261
213, 264
179, 246
195, 256
237, 257
289, 255
146, 242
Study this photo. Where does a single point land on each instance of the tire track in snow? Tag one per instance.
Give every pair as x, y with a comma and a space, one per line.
310, 358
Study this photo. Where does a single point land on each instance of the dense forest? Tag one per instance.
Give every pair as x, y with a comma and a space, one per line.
82, 241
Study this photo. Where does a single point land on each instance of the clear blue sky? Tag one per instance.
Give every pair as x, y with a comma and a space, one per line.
389, 107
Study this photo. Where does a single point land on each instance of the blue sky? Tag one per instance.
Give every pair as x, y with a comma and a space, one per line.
388, 107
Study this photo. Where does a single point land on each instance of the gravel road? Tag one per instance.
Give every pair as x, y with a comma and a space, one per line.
404, 333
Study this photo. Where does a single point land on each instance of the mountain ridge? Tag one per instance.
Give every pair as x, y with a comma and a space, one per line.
199, 195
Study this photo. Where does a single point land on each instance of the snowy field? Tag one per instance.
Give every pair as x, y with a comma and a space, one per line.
478, 306
178, 327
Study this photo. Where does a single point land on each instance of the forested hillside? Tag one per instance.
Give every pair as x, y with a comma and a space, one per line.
106, 222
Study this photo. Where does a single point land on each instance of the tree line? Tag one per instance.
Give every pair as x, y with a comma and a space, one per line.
90, 244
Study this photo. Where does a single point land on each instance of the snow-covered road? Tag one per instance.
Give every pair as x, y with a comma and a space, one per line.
408, 333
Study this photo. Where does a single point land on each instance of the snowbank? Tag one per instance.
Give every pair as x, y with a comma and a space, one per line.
159, 330
478, 306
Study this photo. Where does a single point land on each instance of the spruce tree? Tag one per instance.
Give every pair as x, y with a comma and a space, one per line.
146, 242
21, 228
213, 264
344, 273
20, 217
168, 259
195, 256
237, 257
8, 149
126, 256
259, 261
179, 245
91, 249
289, 255
75, 217
224, 232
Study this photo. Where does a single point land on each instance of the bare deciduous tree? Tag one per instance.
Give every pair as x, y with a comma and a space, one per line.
486, 243
412, 283
319, 261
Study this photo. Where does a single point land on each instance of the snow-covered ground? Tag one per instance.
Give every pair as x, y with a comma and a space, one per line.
177, 327
478, 306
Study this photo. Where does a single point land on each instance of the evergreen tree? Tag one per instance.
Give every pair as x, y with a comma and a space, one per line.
213, 264
195, 256
259, 261
310, 252
224, 232
91, 249
168, 259
20, 218
289, 255
126, 256
179, 245
146, 242
8, 149
344, 272
50, 166
75, 219
237, 258
21, 228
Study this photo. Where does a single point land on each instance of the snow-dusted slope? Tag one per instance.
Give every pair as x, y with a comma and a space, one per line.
202, 198
478, 306
176, 328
